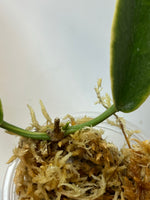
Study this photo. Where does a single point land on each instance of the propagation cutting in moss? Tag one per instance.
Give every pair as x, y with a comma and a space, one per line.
88, 166
130, 65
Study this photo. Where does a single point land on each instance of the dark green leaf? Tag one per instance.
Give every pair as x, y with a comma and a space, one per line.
130, 54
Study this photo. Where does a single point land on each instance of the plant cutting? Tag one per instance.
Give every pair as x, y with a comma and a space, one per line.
71, 160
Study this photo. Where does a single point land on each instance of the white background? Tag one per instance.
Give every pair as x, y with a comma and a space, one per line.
54, 50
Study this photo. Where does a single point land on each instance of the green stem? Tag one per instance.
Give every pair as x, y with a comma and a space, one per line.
71, 129
24, 133
110, 111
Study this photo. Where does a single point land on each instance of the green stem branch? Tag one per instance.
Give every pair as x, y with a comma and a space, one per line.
23, 132
70, 129
110, 111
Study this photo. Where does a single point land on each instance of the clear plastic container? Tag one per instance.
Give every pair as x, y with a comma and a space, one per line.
8, 190
112, 134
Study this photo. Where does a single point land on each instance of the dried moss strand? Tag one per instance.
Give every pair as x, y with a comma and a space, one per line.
123, 131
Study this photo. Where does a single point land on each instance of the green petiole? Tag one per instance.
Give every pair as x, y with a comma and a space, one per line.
110, 111
23, 132
66, 129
